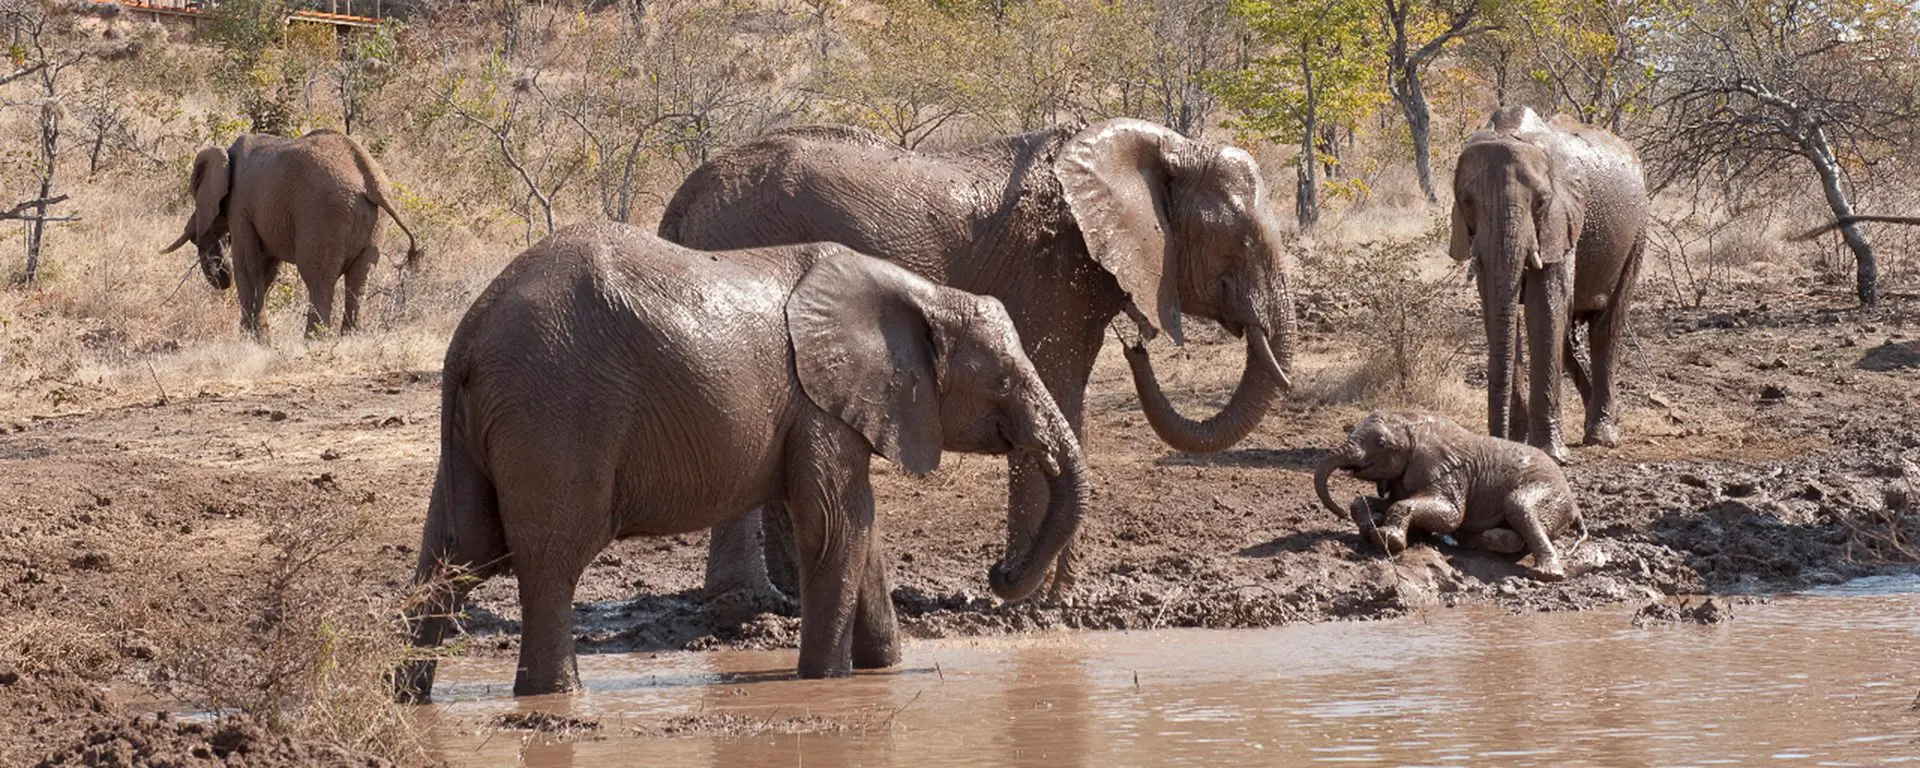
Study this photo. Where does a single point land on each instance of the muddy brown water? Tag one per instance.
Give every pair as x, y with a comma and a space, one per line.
1821, 678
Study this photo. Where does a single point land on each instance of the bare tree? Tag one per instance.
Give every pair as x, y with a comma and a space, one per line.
1755, 88
520, 126
40, 43
1408, 60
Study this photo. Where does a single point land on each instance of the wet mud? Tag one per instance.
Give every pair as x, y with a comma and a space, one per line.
1765, 450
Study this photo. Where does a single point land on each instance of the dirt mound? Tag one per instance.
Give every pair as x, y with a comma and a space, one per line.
163, 741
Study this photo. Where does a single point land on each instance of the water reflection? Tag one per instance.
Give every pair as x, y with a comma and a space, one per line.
1827, 676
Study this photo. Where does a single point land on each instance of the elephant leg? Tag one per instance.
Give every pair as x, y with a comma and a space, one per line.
460, 547
876, 632
831, 499
1428, 513
736, 586
1605, 335
1366, 512
776, 529
319, 299
1547, 293
1525, 507
357, 272
253, 273
1576, 369
546, 628
1502, 540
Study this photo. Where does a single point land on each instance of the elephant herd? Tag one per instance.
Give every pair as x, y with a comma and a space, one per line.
819, 295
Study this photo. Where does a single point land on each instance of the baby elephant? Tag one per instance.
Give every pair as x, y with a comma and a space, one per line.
611, 384
1494, 494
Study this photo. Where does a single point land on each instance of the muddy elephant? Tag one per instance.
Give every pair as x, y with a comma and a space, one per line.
610, 384
1435, 475
1553, 215
1068, 227
313, 202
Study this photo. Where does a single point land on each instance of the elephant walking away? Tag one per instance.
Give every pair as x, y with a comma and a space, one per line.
1068, 227
1553, 215
610, 384
1435, 475
313, 202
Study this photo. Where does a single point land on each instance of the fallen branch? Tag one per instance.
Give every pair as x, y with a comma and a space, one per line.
18, 212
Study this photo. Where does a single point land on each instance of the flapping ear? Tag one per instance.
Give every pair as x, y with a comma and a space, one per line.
209, 185
1117, 177
865, 352
1558, 227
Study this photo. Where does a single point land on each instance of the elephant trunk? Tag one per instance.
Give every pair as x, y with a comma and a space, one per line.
1334, 461
1018, 574
1260, 384
1502, 267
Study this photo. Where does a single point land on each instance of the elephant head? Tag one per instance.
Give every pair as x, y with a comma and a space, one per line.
1186, 227
208, 228
918, 368
1513, 212
1378, 449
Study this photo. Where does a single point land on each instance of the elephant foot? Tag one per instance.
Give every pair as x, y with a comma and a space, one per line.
731, 608
1502, 540
1603, 434
1549, 569
1361, 510
1393, 540
413, 682
1559, 453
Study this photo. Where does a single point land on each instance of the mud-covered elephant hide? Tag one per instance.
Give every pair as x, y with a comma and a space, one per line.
1432, 474
611, 384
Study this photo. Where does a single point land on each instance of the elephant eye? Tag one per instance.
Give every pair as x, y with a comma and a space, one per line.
1003, 384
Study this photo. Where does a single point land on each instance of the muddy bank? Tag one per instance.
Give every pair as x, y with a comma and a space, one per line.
1764, 450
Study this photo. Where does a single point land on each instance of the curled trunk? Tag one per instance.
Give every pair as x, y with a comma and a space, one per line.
1334, 461
1260, 383
1018, 574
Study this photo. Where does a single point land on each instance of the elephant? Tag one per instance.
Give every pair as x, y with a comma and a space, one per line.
610, 384
1068, 227
1552, 214
313, 202
1435, 475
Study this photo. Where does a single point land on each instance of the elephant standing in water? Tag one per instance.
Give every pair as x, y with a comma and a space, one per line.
1433, 474
313, 202
1068, 227
610, 384
1553, 214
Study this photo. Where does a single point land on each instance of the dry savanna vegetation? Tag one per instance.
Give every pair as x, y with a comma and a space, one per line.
191, 519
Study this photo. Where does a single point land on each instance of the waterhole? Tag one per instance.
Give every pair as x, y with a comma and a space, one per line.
1822, 678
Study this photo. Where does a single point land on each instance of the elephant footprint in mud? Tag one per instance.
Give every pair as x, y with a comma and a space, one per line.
1494, 494
611, 384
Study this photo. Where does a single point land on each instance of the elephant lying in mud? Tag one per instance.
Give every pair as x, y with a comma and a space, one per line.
313, 202
611, 384
1068, 227
1494, 494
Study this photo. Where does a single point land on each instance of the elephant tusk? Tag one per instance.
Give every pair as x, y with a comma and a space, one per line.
1534, 261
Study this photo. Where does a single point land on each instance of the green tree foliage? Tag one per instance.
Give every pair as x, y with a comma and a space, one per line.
1322, 67
257, 69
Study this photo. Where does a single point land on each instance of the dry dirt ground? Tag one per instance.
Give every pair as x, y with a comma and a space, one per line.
1770, 443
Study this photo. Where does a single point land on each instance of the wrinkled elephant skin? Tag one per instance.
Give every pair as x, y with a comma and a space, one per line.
611, 384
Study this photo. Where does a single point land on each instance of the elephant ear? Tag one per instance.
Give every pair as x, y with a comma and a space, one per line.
1117, 177
865, 351
1558, 228
1461, 246
209, 186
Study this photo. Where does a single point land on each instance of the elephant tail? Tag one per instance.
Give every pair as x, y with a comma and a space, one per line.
376, 184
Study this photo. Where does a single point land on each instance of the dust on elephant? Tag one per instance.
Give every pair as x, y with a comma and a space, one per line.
313, 202
611, 384
1435, 475
1068, 227
1553, 214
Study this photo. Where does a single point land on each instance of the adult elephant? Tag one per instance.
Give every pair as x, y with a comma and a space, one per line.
1553, 214
313, 202
1068, 227
610, 384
